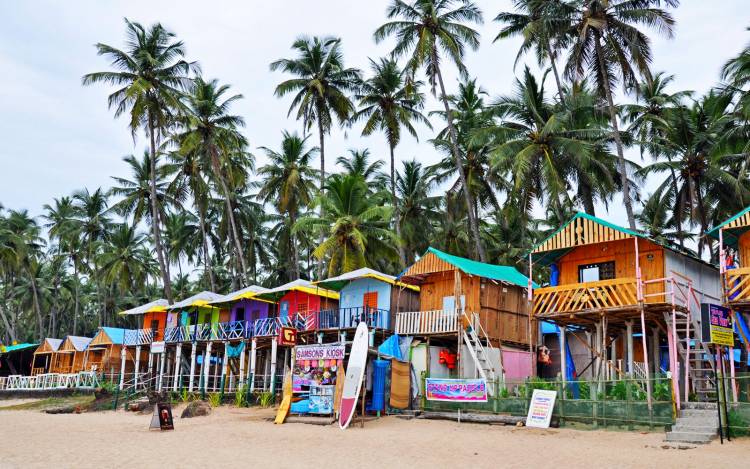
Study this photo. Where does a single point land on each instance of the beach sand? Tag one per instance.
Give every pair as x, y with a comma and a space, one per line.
232, 437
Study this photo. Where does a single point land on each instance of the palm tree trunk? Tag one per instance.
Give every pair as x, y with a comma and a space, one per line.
155, 216
587, 198
396, 211
295, 246
37, 306
321, 137
208, 269
460, 168
677, 217
230, 214
10, 330
554, 71
616, 132
77, 298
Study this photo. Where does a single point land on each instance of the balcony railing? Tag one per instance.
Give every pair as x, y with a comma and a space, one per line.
139, 336
737, 284
270, 326
234, 330
604, 294
349, 318
426, 322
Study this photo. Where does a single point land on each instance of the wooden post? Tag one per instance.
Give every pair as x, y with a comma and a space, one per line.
224, 366
645, 358
162, 361
207, 364
274, 351
266, 367
150, 361
563, 357
656, 349
123, 358
251, 368
629, 345
191, 379
730, 353
177, 367
242, 365
137, 366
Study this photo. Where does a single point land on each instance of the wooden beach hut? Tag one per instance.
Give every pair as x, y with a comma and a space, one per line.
105, 352
71, 356
611, 281
300, 302
476, 311
368, 295
42, 362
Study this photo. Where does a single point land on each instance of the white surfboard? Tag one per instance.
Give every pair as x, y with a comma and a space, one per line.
355, 372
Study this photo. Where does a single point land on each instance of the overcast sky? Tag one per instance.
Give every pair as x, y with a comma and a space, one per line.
57, 136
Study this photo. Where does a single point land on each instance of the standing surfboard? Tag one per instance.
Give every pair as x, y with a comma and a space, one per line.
355, 372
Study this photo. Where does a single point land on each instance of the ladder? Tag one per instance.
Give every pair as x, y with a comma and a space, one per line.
480, 352
693, 351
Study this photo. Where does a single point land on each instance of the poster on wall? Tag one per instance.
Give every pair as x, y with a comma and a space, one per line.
717, 324
456, 390
540, 409
316, 365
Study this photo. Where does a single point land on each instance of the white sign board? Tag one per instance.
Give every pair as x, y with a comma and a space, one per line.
157, 347
540, 409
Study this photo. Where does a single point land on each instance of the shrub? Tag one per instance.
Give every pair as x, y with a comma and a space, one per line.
214, 399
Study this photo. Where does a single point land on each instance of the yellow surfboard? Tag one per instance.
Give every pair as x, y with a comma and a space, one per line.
286, 401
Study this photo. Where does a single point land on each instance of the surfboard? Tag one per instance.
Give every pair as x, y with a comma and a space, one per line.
355, 372
286, 401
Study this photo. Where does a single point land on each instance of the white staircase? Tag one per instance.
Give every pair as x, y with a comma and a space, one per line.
480, 352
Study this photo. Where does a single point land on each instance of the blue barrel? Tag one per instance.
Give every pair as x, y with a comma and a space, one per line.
378, 384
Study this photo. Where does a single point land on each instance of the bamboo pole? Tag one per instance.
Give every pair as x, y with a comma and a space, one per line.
177, 367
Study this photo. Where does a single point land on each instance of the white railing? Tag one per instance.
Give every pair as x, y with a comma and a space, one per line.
426, 322
139, 336
81, 380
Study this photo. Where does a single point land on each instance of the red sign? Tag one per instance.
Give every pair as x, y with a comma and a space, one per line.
288, 336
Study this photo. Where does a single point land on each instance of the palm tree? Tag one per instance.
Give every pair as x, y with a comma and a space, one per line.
389, 102
544, 26
181, 240
126, 261
211, 131
358, 164
136, 193
288, 184
609, 46
355, 226
424, 29
321, 86
149, 75
419, 209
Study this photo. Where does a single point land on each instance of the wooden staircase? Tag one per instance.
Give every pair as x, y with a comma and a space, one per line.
702, 373
480, 352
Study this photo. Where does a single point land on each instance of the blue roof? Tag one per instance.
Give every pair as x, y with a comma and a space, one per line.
17, 347
115, 334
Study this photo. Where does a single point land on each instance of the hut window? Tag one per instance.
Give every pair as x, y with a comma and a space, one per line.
154, 325
596, 272
239, 314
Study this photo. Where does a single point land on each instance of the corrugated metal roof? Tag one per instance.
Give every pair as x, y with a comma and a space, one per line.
79, 343
16, 347
156, 305
247, 292
298, 285
337, 283
199, 299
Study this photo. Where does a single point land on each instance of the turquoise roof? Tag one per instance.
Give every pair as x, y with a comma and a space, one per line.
115, 334
731, 235
501, 273
19, 347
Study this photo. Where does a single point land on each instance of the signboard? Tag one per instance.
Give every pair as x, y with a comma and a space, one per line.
287, 336
540, 409
319, 352
716, 322
157, 347
456, 390
162, 418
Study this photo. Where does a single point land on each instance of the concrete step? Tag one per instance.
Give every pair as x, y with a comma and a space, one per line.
690, 437
714, 422
699, 405
690, 428
707, 413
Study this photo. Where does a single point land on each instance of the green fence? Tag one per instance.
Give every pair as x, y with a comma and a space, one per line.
736, 413
594, 404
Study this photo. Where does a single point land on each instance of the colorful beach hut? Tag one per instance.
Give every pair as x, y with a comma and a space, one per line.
153, 320
16, 359
42, 361
368, 295
71, 356
244, 305
301, 303
104, 353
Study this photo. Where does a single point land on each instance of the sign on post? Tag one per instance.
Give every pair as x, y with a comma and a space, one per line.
157, 347
716, 322
540, 409
287, 337
319, 352
456, 390
162, 417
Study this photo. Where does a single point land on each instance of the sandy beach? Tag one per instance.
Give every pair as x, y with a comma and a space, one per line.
231, 436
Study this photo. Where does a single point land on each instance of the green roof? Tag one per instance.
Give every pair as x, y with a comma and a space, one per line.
17, 347
732, 235
548, 257
501, 273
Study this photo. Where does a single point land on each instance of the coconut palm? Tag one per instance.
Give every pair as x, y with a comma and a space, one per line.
288, 184
209, 130
419, 210
388, 102
355, 226
544, 26
425, 31
126, 261
358, 164
149, 76
609, 46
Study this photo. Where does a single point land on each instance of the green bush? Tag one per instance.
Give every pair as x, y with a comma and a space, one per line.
266, 399
239, 397
214, 399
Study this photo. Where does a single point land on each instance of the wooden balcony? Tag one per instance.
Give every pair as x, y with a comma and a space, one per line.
603, 295
737, 286
426, 322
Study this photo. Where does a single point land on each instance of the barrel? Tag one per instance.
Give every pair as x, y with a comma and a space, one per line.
378, 384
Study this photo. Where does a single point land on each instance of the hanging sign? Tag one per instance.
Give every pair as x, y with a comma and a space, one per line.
157, 347
319, 352
287, 337
456, 390
540, 409
716, 322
